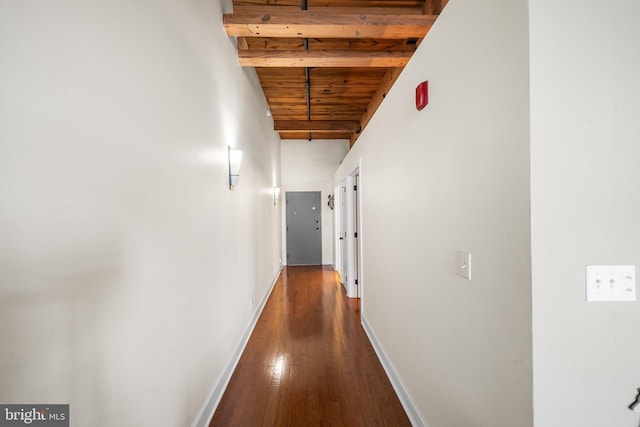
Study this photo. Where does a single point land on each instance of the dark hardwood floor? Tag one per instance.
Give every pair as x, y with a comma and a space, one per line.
309, 362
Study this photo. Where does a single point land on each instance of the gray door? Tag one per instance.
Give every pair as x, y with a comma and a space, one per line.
304, 230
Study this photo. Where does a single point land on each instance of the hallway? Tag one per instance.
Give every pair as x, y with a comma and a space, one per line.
309, 362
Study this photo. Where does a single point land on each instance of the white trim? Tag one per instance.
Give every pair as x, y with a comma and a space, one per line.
405, 399
203, 419
341, 235
357, 254
354, 267
336, 229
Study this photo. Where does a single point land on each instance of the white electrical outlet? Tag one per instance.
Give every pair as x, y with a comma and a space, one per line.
610, 283
464, 264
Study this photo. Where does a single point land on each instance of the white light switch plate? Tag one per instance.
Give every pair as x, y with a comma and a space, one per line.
611, 282
464, 264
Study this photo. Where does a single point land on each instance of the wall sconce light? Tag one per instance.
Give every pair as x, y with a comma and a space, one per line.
235, 158
276, 195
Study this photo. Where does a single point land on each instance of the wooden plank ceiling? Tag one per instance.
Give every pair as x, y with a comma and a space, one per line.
326, 65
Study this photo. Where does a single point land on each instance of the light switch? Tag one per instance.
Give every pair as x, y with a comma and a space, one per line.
611, 282
464, 264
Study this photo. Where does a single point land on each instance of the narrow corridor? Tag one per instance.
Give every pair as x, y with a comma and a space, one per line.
309, 362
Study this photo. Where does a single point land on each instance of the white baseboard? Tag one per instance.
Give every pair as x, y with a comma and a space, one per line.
410, 408
209, 407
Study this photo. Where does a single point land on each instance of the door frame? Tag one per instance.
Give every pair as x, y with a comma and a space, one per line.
340, 232
354, 246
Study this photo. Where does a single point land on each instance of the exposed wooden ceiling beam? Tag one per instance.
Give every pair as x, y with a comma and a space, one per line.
328, 25
314, 135
359, 10
323, 58
286, 126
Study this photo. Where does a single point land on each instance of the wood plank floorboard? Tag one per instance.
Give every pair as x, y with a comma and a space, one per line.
308, 362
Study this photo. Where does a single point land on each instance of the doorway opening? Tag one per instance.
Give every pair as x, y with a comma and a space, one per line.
348, 235
342, 237
356, 234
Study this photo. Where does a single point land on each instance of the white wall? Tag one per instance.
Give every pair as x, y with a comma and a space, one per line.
309, 166
126, 264
453, 177
585, 146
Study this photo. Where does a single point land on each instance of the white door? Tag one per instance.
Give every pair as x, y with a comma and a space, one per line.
343, 235
356, 235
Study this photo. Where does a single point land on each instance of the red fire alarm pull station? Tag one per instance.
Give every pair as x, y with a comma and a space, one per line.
422, 95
